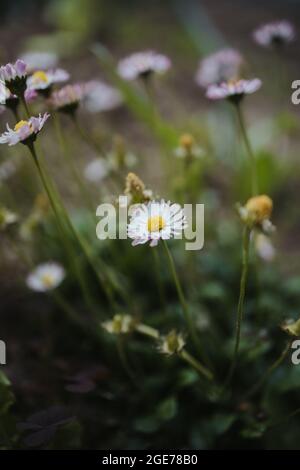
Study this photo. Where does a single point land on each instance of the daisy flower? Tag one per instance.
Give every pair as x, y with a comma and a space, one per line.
14, 77
188, 148
219, 67
143, 64
8, 100
233, 90
45, 277
272, 34
96, 170
24, 131
67, 99
172, 343
101, 97
256, 213
154, 221
40, 60
42, 80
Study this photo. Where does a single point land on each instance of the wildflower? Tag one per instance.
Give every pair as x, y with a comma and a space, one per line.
100, 97
219, 67
172, 343
120, 324
233, 90
187, 147
14, 77
119, 157
154, 221
24, 131
292, 328
96, 170
45, 277
264, 247
43, 80
39, 60
7, 217
135, 190
10, 100
143, 64
67, 99
257, 212
274, 34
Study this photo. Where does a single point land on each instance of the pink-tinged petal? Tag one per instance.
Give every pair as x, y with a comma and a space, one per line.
30, 95
20, 67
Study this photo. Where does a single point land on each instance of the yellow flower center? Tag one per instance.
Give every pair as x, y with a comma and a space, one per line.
47, 280
40, 76
21, 124
260, 207
156, 223
186, 141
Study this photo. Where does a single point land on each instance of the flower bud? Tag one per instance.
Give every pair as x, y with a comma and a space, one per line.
172, 343
120, 324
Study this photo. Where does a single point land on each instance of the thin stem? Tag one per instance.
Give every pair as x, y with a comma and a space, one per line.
23, 100
186, 312
254, 184
159, 281
187, 357
88, 140
147, 330
240, 308
70, 163
270, 370
124, 360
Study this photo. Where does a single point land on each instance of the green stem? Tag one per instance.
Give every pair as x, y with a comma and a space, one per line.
254, 184
186, 312
270, 370
240, 308
187, 357
23, 100
147, 330
70, 163
159, 281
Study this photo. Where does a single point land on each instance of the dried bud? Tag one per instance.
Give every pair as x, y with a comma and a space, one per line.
292, 329
135, 189
120, 324
259, 208
172, 343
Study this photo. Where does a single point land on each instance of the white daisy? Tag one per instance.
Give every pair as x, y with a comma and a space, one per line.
24, 131
155, 221
218, 67
233, 89
101, 97
45, 277
67, 99
41, 80
142, 64
14, 76
96, 170
40, 60
277, 33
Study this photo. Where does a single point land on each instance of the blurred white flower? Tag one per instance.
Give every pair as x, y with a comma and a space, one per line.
7, 217
67, 98
188, 148
24, 131
219, 67
276, 33
154, 221
96, 170
45, 277
41, 80
100, 97
233, 90
264, 247
142, 64
36, 60
7, 169
120, 324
